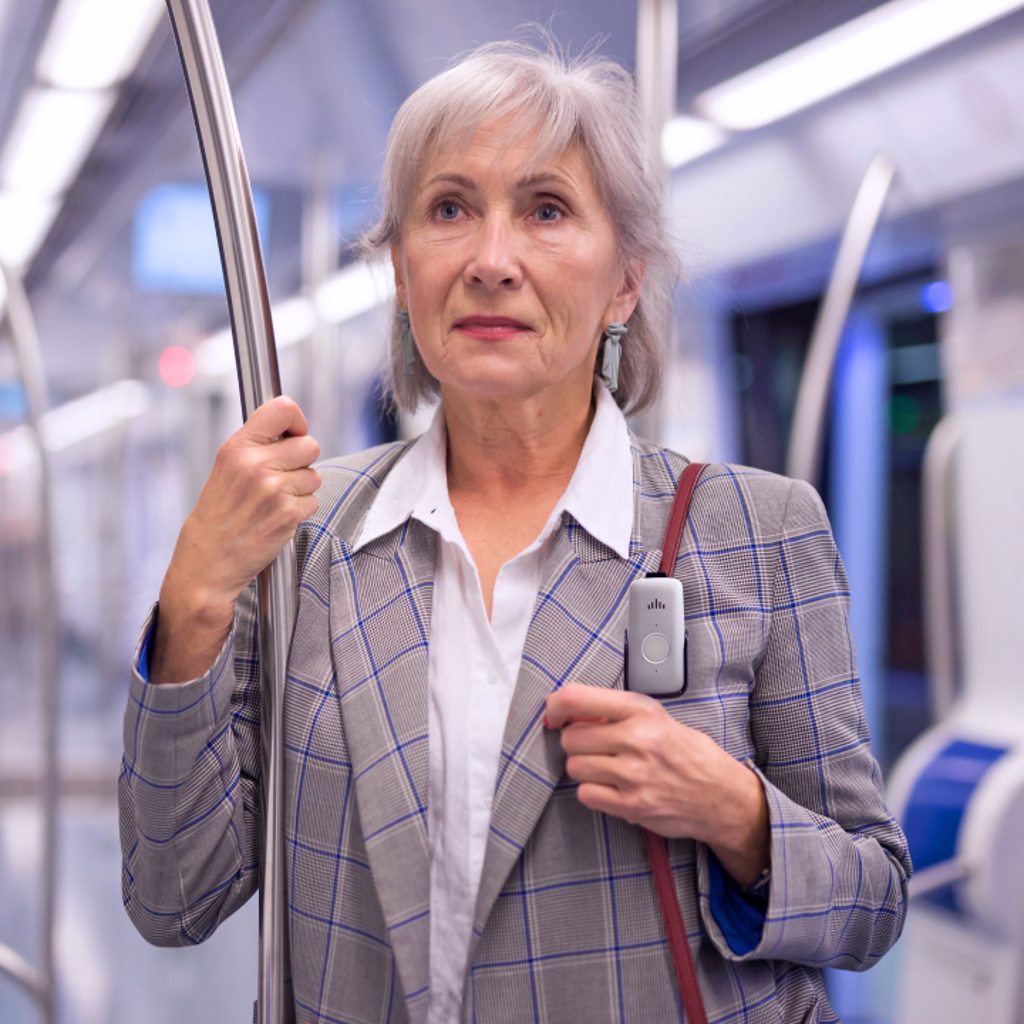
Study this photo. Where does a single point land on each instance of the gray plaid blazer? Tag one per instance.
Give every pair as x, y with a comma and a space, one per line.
567, 927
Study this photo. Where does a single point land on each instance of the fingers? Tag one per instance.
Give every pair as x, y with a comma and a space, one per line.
575, 702
301, 482
595, 768
606, 800
279, 417
308, 506
291, 453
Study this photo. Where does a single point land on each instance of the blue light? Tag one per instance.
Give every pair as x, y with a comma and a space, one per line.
13, 405
937, 297
174, 244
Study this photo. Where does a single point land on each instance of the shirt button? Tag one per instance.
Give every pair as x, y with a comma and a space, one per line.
488, 801
494, 679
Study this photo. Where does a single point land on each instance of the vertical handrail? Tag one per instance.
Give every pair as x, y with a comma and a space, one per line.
40, 984
319, 260
806, 437
937, 569
258, 381
657, 73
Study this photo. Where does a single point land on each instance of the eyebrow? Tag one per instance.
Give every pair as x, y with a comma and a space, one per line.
537, 180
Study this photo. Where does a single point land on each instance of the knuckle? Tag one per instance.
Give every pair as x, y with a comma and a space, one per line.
642, 803
633, 773
266, 486
645, 732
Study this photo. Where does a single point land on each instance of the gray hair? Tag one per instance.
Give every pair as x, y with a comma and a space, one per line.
590, 101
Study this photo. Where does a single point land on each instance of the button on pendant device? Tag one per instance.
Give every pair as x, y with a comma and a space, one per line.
655, 648
655, 641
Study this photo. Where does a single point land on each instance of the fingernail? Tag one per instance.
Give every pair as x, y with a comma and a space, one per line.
547, 724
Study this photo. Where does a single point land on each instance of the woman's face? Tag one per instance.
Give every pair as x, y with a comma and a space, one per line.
510, 276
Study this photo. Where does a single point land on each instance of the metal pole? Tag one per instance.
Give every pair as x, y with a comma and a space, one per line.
657, 74
319, 260
41, 985
258, 381
938, 571
808, 431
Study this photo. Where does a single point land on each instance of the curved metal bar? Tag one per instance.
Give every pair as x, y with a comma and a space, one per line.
940, 620
258, 381
28, 355
14, 966
938, 876
808, 431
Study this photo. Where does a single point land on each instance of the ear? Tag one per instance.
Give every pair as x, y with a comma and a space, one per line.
396, 266
622, 305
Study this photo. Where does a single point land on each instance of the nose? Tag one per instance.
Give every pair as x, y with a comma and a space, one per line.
494, 262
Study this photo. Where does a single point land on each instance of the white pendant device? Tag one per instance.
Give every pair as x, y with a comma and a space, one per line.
656, 638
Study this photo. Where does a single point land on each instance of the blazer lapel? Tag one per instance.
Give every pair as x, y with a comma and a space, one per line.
576, 633
381, 605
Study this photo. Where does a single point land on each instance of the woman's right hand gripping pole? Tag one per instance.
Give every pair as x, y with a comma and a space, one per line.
260, 488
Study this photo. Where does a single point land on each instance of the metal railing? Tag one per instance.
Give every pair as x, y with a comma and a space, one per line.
40, 982
937, 570
258, 380
806, 437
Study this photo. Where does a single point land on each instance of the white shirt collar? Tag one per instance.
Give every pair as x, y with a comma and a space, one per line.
599, 496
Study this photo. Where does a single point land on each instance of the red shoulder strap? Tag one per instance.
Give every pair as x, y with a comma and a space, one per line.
657, 852
677, 518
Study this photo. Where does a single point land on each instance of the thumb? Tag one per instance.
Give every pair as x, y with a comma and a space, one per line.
279, 417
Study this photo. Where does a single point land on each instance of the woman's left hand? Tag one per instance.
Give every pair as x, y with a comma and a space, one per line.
634, 761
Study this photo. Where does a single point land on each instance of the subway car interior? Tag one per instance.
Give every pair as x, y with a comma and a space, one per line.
845, 190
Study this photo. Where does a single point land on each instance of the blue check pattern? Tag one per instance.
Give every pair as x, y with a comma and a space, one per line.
567, 927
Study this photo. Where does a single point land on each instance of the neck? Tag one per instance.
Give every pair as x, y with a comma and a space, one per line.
497, 447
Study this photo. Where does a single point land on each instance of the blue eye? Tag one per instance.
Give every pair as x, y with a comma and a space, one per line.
447, 209
548, 213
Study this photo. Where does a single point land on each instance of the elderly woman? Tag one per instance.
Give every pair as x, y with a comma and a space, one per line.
465, 773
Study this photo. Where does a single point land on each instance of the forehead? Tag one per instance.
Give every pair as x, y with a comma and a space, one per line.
518, 150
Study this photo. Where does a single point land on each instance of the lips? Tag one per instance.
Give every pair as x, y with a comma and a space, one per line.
482, 326
478, 320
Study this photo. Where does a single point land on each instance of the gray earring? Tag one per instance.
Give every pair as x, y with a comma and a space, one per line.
408, 342
612, 355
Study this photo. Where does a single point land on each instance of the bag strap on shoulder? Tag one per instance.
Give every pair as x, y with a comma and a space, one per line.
657, 851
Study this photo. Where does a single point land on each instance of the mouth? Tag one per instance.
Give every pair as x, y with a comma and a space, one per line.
480, 326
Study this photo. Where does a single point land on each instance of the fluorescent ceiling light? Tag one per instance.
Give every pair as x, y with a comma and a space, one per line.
345, 295
52, 133
863, 47
94, 414
357, 289
93, 44
685, 138
24, 222
294, 320
77, 421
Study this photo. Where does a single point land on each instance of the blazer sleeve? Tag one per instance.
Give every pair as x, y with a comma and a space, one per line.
839, 861
189, 791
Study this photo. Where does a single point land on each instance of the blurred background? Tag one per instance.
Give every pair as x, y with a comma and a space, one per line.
771, 112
